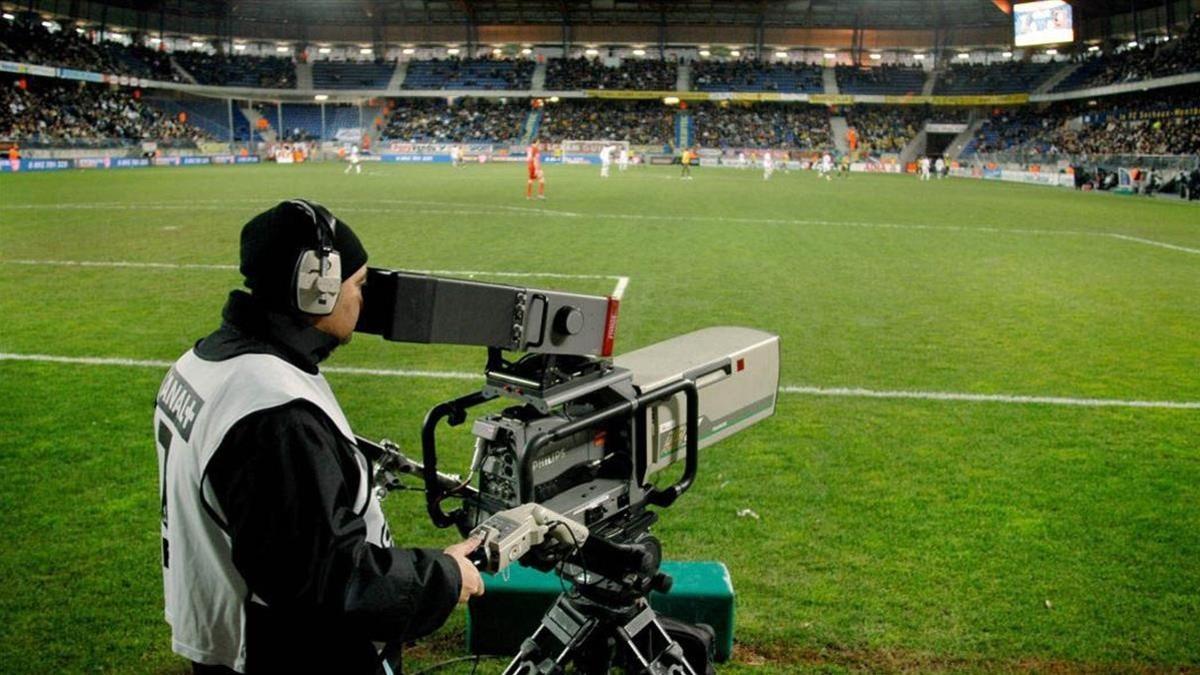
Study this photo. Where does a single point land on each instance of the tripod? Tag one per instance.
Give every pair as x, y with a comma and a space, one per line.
595, 638
601, 625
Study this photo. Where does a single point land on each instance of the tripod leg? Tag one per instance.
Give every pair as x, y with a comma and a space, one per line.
563, 632
649, 648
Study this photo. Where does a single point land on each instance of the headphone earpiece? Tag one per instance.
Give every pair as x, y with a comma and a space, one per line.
317, 279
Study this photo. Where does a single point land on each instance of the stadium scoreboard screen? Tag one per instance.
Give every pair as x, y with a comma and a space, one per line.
1042, 23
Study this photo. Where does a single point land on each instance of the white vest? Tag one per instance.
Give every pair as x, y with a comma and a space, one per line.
198, 403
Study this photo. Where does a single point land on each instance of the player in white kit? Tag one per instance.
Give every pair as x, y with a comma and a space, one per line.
354, 161
605, 160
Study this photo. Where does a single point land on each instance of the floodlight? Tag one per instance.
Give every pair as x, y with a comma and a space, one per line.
1094, 48
453, 51
1132, 43
282, 49
409, 50
830, 55
781, 55
527, 51
321, 97
919, 57
591, 52
705, 52
671, 100
9, 17
324, 50
639, 52
876, 57
734, 52
197, 44
240, 48
365, 50
1051, 52
967, 55
1006, 55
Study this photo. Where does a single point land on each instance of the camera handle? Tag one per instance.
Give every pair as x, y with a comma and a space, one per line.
455, 413
660, 497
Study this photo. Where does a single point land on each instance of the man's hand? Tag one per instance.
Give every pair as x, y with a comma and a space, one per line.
472, 583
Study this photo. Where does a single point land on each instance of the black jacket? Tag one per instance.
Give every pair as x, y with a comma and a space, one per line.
285, 479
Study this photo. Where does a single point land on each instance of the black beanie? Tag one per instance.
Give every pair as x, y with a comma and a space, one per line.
272, 242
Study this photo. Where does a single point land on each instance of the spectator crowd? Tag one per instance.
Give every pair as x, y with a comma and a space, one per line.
65, 113
886, 129
1168, 124
592, 73
26, 40
469, 120
764, 125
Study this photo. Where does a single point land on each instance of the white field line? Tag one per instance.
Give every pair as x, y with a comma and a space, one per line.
786, 389
855, 392
1160, 244
460, 209
618, 291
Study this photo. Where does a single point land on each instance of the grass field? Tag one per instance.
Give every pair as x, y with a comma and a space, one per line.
915, 512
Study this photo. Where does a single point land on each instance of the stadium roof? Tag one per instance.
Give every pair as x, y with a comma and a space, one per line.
766, 13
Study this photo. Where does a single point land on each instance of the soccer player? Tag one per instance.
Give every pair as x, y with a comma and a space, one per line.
924, 164
623, 159
826, 165
844, 166
354, 161
686, 160
456, 156
533, 162
605, 160
768, 165
14, 158
742, 160
940, 166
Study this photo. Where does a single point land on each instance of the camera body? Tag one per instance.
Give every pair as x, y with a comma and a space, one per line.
588, 437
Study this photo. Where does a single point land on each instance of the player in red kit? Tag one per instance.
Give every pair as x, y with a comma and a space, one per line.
533, 160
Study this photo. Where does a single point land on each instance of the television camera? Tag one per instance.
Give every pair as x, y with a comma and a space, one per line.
564, 478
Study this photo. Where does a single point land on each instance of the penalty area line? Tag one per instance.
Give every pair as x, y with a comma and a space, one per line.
842, 392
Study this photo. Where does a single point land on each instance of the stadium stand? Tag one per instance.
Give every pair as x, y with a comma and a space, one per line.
1167, 124
239, 70
1138, 63
471, 120
586, 73
301, 122
30, 42
766, 125
209, 115
469, 74
351, 75
753, 76
1008, 77
46, 112
639, 122
884, 79
885, 128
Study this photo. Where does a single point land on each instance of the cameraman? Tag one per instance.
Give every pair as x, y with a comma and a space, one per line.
276, 556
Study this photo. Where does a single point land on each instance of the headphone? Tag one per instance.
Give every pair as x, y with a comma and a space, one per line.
317, 279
